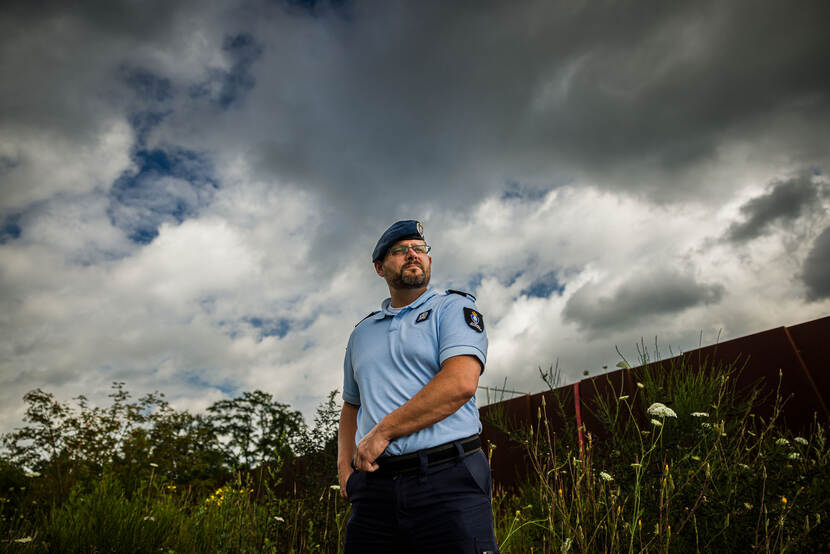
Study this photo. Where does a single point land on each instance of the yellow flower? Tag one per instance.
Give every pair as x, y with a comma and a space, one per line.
783, 500
560, 492
640, 523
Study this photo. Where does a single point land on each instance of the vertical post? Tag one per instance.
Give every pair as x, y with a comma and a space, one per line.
578, 407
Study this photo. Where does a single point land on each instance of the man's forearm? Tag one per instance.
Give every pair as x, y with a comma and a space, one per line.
454, 385
345, 435
450, 389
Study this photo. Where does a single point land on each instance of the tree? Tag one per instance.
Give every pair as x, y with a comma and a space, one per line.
254, 429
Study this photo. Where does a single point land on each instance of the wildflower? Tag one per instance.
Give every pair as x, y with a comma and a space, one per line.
32, 474
743, 466
153, 464
699, 414
624, 397
606, 476
793, 455
747, 505
661, 410
566, 546
696, 458
334, 487
656, 422
518, 513
149, 518
636, 465
640, 523
640, 385
560, 492
784, 500
801, 441
24, 540
782, 442
706, 425
279, 519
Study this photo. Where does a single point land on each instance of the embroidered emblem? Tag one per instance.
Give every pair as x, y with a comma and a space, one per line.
420, 228
423, 316
474, 319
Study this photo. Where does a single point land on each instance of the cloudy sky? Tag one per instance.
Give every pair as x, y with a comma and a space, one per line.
191, 190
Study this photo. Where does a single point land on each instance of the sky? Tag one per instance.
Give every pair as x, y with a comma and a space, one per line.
190, 191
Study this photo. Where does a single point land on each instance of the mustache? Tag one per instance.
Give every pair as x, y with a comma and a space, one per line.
413, 263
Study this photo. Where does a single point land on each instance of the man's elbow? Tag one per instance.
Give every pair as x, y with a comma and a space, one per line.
466, 389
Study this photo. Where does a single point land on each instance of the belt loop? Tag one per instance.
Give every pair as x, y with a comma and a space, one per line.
422, 470
459, 449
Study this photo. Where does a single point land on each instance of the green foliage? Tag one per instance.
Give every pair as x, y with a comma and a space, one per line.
698, 472
701, 473
255, 429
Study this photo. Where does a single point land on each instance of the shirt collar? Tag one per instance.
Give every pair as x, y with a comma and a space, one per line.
429, 293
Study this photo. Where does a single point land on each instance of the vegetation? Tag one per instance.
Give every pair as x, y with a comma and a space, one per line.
679, 461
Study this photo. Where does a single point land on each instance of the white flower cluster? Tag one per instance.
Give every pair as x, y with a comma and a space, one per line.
661, 410
699, 414
606, 476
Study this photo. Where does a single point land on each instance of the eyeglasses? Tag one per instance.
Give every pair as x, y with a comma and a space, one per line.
404, 250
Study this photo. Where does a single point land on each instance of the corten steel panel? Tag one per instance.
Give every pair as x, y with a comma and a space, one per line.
509, 455
812, 341
761, 355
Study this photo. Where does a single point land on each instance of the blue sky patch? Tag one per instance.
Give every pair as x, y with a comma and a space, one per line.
169, 186
544, 286
146, 85
194, 378
10, 229
514, 190
227, 87
269, 327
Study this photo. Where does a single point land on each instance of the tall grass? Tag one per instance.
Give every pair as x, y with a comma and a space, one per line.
679, 462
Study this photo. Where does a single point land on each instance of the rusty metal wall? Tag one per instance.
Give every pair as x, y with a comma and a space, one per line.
800, 353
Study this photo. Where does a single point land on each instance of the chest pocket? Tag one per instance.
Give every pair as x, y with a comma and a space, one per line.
417, 344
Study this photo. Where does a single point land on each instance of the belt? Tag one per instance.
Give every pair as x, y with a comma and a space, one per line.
435, 455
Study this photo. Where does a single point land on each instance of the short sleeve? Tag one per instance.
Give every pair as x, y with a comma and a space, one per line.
351, 391
461, 330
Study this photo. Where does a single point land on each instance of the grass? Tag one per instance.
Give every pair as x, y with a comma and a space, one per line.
678, 463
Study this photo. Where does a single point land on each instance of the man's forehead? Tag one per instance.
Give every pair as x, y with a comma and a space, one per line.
408, 242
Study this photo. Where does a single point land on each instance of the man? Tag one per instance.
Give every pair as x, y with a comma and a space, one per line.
409, 455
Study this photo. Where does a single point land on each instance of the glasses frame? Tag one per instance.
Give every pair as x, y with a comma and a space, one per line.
404, 249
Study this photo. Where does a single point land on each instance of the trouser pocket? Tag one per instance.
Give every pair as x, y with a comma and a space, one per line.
479, 470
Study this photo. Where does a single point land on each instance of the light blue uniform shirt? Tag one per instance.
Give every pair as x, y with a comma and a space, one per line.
390, 357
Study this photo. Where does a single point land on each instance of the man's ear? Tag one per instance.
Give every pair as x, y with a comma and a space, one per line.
379, 268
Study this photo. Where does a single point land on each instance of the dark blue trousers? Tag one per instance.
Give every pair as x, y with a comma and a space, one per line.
440, 509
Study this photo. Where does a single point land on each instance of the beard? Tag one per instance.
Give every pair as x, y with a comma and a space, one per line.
408, 280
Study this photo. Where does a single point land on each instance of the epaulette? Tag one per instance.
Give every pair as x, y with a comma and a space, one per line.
462, 293
365, 318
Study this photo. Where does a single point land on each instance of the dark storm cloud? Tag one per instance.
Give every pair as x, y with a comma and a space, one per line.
816, 270
785, 202
641, 297
453, 102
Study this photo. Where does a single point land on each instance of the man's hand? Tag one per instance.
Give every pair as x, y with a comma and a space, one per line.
343, 475
369, 448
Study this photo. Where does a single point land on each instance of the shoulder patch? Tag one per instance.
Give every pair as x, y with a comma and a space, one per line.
423, 316
462, 293
365, 318
474, 319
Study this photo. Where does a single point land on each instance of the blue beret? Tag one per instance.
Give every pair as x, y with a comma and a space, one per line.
400, 230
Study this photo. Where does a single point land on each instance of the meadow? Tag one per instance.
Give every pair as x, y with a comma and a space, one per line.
684, 462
